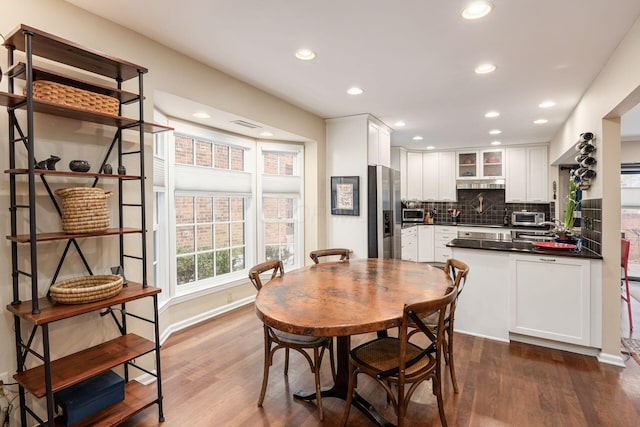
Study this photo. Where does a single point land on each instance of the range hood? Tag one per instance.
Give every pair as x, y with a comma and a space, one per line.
469, 184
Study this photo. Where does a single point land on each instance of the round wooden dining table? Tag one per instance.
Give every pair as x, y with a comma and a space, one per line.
340, 299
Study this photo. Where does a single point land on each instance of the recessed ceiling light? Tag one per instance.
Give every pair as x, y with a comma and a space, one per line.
417, 138
431, 147
496, 143
495, 132
492, 114
485, 68
477, 10
399, 124
546, 104
266, 133
354, 91
540, 121
305, 54
201, 115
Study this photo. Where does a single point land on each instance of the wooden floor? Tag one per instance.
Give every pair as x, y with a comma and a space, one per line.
212, 374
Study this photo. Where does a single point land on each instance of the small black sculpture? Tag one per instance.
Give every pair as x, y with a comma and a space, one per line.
107, 169
79, 165
122, 170
48, 164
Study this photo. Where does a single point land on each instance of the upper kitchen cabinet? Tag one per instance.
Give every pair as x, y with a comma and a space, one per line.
399, 163
379, 145
439, 176
480, 164
527, 175
414, 176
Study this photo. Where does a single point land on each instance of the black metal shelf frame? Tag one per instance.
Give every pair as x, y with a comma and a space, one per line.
16, 135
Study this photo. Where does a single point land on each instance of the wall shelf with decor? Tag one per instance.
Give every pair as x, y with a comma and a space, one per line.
38, 373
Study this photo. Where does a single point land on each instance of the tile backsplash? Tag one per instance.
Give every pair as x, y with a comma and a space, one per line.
592, 225
491, 211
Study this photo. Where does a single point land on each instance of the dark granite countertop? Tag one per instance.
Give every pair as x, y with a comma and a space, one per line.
518, 247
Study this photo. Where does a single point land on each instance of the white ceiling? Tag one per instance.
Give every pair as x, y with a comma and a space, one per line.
413, 58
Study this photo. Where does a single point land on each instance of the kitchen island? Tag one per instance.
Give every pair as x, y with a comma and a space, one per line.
517, 292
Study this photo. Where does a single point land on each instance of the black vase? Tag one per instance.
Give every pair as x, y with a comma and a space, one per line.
107, 169
79, 165
122, 170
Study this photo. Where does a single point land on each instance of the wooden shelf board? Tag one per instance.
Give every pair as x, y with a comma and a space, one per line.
85, 364
12, 100
67, 52
19, 71
60, 235
137, 398
51, 311
71, 173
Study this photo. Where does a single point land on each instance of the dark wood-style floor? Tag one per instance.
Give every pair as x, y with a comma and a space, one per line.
212, 374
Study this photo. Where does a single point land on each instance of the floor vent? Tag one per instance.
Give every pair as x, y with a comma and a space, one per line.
245, 124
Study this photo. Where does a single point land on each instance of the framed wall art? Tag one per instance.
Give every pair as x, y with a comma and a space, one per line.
345, 195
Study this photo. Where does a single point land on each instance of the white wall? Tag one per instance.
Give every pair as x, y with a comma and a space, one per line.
630, 151
169, 71
613, 92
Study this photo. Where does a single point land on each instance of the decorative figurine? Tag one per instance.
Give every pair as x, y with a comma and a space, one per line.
122, 170
107, 169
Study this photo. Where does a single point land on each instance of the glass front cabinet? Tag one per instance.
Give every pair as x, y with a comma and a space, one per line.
480, 164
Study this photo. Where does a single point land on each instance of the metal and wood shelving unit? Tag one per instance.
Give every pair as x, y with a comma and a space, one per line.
49, 376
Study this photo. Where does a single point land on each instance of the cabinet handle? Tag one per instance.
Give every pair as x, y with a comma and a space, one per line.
547, 259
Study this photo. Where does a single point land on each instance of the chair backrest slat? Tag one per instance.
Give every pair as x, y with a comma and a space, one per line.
342, 252
255, 271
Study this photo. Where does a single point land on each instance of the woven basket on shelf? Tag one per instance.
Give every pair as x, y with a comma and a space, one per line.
84, 210
57, 93
86, 289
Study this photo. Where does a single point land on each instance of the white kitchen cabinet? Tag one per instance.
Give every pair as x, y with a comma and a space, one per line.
409, 243
439, 176
442, 236
399, 163
425, 243
378, 145
527, 175
550, 297
414, 176
480, 164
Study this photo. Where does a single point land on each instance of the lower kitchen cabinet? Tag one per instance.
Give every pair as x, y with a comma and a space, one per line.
442, 236
409, 243
425, 243
550, 297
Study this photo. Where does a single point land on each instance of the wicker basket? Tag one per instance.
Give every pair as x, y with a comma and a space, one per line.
57, 93
86, 289
84, 210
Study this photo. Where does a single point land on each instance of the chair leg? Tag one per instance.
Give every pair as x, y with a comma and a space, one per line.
332, 360
626, 280
452, 369
316, 372
267, 363
347, 404
438, 389
286, 362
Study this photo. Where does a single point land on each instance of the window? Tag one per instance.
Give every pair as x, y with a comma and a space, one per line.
280, 229
279, 163
210, 236
206, 153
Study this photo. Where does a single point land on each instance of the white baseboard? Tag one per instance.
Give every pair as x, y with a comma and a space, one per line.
178, 326
611, 359
473, 334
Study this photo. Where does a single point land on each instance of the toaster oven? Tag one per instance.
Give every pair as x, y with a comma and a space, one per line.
412, 215
525, 218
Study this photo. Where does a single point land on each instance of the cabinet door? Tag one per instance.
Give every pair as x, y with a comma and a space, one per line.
516, 176
409, 242
550, 298
492, 162
384, 147
399, 162
425, 243
414, 176
430, 176
447, 177
537, 175
372, 145
467, 164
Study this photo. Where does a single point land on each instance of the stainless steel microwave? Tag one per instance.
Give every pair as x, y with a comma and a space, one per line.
412, 215
529, 219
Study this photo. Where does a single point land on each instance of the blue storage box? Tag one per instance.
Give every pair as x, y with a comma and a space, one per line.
88, 397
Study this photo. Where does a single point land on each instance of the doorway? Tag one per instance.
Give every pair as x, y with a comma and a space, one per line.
630, 214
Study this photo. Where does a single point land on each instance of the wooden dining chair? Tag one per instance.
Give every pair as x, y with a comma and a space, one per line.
624, 264
343, 253
458, 271
397, 361
275, 339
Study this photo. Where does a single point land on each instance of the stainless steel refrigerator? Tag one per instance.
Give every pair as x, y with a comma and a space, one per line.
384, 212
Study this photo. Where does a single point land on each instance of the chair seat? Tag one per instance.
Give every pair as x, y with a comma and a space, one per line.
384, 353
299, 340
